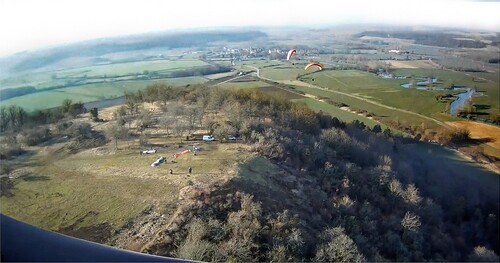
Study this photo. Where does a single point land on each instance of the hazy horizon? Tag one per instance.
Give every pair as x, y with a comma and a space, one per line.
57, 22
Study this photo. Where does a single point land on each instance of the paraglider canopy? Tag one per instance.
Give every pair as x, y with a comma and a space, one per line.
317, 65
290, 54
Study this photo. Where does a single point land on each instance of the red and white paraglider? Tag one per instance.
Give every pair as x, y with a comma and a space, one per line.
316, 65
290, 54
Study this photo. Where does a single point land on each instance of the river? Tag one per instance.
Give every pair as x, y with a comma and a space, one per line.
460, 101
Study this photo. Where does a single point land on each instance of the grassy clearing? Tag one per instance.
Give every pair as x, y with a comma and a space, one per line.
90, 92
95, 187
62, 198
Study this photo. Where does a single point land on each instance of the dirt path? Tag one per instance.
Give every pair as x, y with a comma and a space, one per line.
231, 79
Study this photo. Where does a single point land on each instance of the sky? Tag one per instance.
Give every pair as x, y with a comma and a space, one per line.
32, 24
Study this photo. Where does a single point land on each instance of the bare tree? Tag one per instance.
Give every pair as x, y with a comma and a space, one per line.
223, 130
192, 114
482, 254
4, 119
145, 121
411, 222
166, 122
116, 132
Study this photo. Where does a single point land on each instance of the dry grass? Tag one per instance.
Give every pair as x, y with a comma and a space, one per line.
410, 64
480, 131
488, 134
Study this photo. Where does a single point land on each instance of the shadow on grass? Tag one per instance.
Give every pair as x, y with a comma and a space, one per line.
482, 106
474, 142
34, 178
6, 187
477, 113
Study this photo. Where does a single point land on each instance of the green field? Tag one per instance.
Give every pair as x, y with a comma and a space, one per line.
389, 91
256, 63
90, 92
385, 91
337, 112
49, 79
282, 72
129, 68
243, 84
281, 93
487, 83
66, 84
38, 80
357, 104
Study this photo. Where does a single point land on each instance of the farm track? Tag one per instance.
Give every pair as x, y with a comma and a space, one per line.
227, 79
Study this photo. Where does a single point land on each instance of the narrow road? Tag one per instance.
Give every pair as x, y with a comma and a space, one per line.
231, 79
305, 84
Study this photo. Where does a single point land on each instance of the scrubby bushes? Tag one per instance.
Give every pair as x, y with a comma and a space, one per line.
455, 136
9, 147
336, 246
34, 136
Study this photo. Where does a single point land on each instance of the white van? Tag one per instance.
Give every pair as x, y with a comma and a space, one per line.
208, 138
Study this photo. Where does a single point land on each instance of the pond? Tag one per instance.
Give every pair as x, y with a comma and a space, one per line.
419, 83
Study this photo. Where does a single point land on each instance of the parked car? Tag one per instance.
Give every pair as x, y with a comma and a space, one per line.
208, 138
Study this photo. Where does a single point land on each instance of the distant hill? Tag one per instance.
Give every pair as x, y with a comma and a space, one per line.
429, 38
33, 60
